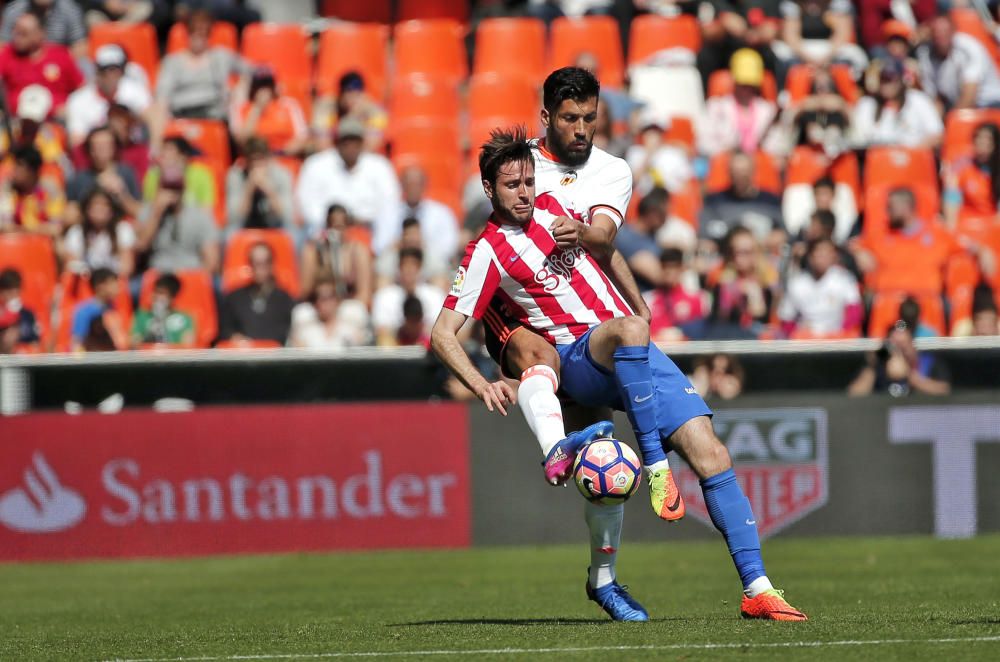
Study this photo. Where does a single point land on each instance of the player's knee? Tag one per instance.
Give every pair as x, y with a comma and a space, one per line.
632, 330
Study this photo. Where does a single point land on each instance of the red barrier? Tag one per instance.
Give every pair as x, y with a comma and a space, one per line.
233, 479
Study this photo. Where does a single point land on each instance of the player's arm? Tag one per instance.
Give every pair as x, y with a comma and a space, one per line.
444, 342
620, 274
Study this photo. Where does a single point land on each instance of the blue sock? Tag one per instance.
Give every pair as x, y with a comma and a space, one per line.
733, 517
635, 384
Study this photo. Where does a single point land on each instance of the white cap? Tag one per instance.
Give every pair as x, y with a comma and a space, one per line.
650, 116
110, 55
34, 103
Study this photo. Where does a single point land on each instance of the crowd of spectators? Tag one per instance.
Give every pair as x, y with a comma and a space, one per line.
835, 165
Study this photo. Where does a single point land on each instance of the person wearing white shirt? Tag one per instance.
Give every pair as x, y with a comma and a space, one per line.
656, 163
895, 115
437, 222
956, 68
823, 299
387, 307
364, 183
87, 108
327, 322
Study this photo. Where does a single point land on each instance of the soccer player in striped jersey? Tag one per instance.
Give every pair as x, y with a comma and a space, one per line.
563, 295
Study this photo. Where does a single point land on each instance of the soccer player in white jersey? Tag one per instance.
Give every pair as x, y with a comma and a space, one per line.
563, 295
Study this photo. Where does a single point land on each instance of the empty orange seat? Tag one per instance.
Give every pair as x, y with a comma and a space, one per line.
960, 125
434, 47
767, 176
138, 41
457, 10
422, 96
359, 47
236, 263
491, 95
283, 47
426, 136
720, 83
650, 33
511, 47
799, 82
885, 312
366, 11
597, 35
806, 165
686, 204
968, 21
223, 35
900, 166
195, 298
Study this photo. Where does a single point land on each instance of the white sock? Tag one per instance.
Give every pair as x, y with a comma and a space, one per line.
605, 523
656, 466
537, 397
757, 587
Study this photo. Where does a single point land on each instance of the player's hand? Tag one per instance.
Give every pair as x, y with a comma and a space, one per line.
496, 395
567, 232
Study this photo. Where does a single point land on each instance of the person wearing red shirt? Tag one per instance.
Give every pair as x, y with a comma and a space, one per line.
29, 60
671, 305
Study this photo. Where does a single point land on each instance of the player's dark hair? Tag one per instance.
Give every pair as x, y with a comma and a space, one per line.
29, 156
503, 147
672, 256
100, 276
414, 253
170, 283
655, 200
573, 83
10, 279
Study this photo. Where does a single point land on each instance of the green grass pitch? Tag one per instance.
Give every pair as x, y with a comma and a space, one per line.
919, 598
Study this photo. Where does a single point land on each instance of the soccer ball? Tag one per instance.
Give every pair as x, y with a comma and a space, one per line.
607, 471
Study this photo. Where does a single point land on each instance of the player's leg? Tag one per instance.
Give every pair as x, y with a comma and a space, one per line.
622, 346
732, 515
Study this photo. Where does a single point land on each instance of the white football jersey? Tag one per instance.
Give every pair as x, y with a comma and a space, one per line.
601, 185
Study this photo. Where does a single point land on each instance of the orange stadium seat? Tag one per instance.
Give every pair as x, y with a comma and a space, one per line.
968, 21
720, 83
210, 136
422, 96
686, 204
283, 47
597, 35
426, 136
247, 343
32, 256
899, 166
368, 11
223, 35
885, 312
196, 298
511, 47
650, 33
960, 280
767, 175
960, 125
236, 263
876, 197
138, 40
434, 47
806, 165
799, 82
75, 289
681, 131
495, 101
457, 10
360, 47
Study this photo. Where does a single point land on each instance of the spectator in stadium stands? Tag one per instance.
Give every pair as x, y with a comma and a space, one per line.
742, 204
819, 32
800, 201
26, 203
413, 330
675, 232
175, 224
741, 119
984, 313
822, 300
60, 20
822, 225
338, 250
236, 12
636, 240
899, 369
352, 101
28, 60
363, 182
259, 191
898, 47
260, 310
729, 25
896, 115
87, 108
163, 323
435, 270
96, 325
195, 82
8, 331
102, 240
957, 69
972, 184
437, 222
128, 12
387, 308
325, 321
615, 106
176, 162
130, 134
104, 170
823, 120
604, 134
718, 376
911, 255
33, 128
873, 15
29, 333
742, 289
654, 161
278, 119
909, 312
673, 305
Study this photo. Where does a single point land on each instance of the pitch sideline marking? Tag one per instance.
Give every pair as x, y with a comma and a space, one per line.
581, 649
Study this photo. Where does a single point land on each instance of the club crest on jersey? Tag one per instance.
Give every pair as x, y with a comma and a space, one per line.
558, 265
458, 283
568, 178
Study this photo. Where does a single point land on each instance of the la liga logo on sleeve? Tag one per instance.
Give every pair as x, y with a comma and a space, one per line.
458, 283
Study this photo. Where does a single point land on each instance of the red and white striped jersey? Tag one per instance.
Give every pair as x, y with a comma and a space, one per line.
601, 185
560, 294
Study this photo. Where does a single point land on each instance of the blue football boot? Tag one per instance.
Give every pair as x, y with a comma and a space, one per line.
615, 599
559, 462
